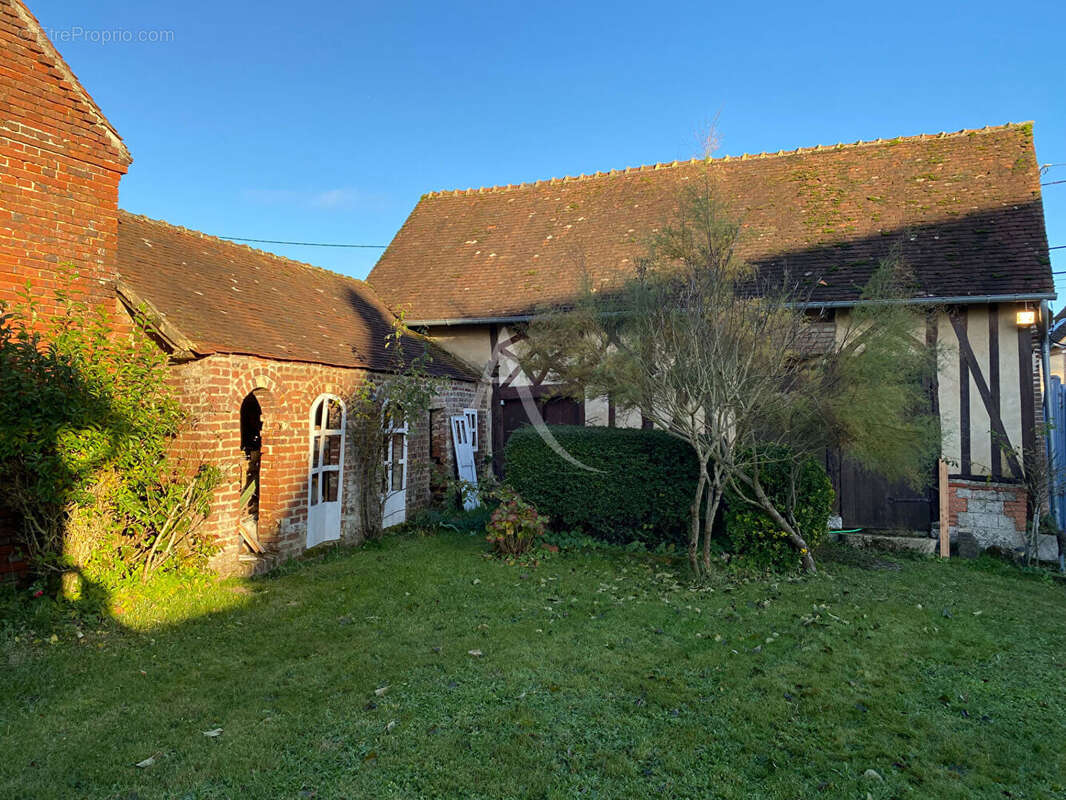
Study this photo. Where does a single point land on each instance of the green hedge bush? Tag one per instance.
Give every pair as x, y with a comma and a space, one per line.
753, 536
642, 491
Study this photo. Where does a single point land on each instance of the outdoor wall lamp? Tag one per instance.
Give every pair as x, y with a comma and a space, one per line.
1026, 317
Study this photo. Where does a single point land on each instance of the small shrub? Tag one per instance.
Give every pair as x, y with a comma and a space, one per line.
756, 539
641, 490
471, 522
515, 525
574, 540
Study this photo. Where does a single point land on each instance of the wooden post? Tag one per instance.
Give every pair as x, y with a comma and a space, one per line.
945, 513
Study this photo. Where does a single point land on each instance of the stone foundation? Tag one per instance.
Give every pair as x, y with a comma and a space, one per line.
995, 513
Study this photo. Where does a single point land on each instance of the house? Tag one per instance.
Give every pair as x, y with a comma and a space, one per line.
264, 351
470, 267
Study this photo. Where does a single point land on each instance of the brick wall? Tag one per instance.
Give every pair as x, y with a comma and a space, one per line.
212, 390
451, 402
60, 165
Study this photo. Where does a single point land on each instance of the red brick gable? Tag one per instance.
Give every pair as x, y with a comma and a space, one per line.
964, 208
38, 89
60, 166
222, 297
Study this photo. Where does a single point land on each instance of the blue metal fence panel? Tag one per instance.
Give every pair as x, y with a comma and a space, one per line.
1057, 439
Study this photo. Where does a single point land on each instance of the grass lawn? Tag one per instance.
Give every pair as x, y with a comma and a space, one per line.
598, 676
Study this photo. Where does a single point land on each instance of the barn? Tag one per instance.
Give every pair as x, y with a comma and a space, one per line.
964, 211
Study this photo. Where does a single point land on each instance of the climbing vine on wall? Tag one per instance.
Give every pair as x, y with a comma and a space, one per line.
402, 394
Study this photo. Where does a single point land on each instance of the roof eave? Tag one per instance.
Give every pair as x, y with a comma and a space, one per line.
150, 318
945, 300
445, 322
449, 321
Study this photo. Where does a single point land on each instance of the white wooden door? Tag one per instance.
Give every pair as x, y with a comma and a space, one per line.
464, 458
325, 470
395, 478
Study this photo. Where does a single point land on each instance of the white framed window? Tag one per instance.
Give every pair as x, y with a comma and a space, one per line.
325, 469
471, 426
394, 474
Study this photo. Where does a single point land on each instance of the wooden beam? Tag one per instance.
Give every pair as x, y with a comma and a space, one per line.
966, 354
993, 385
149, 317
495, 413
931, 335
249, 537
945, 509
514, 374
1025, 376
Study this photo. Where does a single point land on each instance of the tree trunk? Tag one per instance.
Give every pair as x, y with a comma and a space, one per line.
793, 535
694, 530
714, 497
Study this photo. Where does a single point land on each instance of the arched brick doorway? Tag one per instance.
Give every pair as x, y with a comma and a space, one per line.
252, 471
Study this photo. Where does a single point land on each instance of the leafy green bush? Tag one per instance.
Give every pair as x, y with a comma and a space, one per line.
460, 520
755, 538
86, 419
515, 525
641, 489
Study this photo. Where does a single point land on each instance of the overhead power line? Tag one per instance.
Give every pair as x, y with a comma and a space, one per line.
1052, 183
302, 244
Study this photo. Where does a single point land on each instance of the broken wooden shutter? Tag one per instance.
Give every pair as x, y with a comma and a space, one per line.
471, 426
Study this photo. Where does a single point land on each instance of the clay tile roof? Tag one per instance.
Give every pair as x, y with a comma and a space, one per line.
964, 209
229, 298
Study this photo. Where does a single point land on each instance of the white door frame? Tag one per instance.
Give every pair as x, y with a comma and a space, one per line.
324, 517
395, 500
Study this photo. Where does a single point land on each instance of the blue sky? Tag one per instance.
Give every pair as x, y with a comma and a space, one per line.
326, 121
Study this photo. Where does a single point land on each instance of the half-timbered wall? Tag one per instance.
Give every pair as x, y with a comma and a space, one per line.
987, 395
985, 391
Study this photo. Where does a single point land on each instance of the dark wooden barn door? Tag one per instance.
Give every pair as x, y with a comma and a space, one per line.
553, 410
868, 500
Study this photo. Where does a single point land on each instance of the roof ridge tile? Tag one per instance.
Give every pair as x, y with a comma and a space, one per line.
238, 245
818, 148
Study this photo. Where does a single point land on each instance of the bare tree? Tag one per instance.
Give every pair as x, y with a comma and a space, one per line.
723, 358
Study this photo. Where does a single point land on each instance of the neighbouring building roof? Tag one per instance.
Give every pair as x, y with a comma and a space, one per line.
25, 42
964, 208
214, 296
